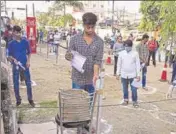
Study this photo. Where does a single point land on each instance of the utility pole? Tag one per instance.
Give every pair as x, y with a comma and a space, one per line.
26, 11
5, 7
123, 14
112, 14
33, 7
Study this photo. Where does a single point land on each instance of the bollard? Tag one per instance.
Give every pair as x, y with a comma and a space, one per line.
57, 53
40, 47
47, 53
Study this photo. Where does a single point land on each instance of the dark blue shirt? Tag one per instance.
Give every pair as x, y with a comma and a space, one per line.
19, 50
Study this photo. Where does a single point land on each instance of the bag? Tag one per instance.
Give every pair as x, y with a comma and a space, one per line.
152, 45
51, 36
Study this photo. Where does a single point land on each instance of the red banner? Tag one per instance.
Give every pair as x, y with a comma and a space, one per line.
31, 33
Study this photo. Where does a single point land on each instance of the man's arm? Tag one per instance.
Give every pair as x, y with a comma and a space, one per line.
69, 55
119, 65
98, 59
139, 53
147, 55
28, 52
10, 57
138, 67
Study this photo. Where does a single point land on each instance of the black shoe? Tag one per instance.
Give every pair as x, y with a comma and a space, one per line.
18, 103
31, 102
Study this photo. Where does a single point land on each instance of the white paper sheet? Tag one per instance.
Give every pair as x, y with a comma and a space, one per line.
78, 61
143, 65
136, 83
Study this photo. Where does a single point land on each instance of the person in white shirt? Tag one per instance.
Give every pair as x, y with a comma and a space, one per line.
57, 37
128, 68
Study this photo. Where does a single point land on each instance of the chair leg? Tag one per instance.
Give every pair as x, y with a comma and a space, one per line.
80, 130
61, 130
57, 129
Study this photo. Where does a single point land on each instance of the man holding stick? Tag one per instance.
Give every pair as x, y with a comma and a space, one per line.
19, 55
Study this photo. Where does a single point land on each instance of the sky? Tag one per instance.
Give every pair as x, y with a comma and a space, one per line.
131, 6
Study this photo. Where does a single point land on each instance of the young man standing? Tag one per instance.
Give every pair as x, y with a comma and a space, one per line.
152, 47
128, 68
91, 46
117, 48
19, 51
143, 52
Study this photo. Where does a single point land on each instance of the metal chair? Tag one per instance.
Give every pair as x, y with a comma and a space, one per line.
76, 109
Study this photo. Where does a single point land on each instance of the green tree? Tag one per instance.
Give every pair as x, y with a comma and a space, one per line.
61, 6
159, 13
56, 15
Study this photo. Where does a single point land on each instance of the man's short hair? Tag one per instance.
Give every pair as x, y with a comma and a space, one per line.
128, 43
119, 36
17, 28
89, 18
145, 36
9, 28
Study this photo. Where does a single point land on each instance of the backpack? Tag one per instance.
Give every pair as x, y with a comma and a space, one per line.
152, 45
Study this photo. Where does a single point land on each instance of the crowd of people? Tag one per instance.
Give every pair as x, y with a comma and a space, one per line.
129, 63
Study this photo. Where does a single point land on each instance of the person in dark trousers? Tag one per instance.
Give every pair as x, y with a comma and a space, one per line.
128, 68
90, 45
173, 69
152, 46
143, 52
117, 48
19, 51
41, 34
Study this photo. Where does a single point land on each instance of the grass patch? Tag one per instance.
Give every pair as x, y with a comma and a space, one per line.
48, 104
37, 115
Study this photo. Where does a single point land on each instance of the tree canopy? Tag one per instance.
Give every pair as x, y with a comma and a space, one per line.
158, 14
56, 15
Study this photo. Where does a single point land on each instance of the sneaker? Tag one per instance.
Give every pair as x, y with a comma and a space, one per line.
125, 103
135, 104
31, 102
18, 103
145, 88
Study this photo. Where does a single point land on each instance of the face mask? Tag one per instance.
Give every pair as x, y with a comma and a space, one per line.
128, 49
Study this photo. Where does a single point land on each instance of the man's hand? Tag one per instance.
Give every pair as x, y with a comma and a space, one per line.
95, 78
138, 78
69, 56
118, 77
28, 64
15, 61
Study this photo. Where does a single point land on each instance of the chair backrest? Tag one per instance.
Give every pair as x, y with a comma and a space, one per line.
76, 105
